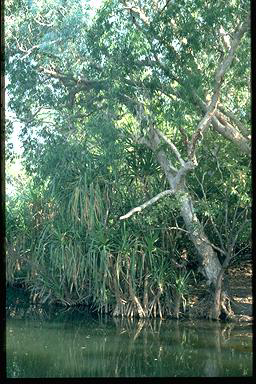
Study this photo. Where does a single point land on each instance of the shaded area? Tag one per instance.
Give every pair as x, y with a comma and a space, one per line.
239, 288
240, 282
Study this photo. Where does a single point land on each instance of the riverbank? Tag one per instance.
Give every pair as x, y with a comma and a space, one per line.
240, 285
240, 290
239, 279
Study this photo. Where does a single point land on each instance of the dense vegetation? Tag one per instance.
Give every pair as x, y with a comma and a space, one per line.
136, 137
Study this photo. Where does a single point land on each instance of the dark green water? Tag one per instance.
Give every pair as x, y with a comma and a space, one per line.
49, 343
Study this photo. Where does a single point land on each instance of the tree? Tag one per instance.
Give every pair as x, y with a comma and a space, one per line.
155, 70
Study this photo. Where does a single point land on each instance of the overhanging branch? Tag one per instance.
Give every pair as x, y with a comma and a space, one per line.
147, 203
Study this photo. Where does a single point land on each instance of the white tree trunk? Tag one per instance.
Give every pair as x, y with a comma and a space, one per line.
209, 260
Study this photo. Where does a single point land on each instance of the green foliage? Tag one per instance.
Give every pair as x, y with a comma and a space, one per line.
85, 90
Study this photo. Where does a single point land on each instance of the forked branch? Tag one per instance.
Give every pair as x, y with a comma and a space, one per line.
221, 70
171, 145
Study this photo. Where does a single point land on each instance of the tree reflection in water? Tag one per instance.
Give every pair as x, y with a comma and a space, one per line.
44, 342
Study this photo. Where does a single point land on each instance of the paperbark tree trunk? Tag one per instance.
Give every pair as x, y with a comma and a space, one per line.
210, 263
209, 259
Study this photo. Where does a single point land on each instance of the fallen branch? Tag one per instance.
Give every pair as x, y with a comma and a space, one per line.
147, 203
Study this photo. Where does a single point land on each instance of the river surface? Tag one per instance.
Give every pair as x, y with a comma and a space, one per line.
46, 342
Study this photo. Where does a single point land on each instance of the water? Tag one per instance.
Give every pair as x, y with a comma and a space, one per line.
44, 343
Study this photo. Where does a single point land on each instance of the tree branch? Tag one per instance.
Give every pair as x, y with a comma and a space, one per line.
220, 72
43, 23
182, 172
172, 146
165, 6
205, 241
29, 51
234, 119
224, 66
147, 203
138, 12
221, 125
145, 21
82, 82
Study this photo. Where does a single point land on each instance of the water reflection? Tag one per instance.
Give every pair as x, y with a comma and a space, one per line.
48, 343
